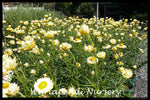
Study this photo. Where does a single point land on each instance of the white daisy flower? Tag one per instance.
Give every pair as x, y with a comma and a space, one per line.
121, 46
101, 55
63, 91
13, 89
71, 91
43, 85
77, 40
65, 46
92, 60
10, 88
107, 46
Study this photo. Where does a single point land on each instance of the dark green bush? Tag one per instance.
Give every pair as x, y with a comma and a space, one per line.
140, 16
47, 6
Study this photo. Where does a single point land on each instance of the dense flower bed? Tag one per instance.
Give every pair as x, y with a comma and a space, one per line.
71, 57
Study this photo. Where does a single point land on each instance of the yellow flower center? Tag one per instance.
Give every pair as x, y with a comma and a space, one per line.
92, 58
121, 44
9, 28
19, 42
76, 39
5, 85
9, 35
42, 85
120, 62
106, 44
121, 69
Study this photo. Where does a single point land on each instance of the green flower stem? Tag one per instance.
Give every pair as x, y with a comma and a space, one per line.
55, 66
96, 72
67, 64
21, 94
46, 65
34, 61
75, 65
89, 37
96, 66
19, 78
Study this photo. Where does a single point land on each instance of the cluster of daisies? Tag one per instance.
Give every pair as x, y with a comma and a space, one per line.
100, 41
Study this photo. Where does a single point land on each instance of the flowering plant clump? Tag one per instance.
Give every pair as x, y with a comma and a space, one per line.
71, 57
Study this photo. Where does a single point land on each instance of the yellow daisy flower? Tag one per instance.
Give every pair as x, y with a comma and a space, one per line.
84, 30
65, 46
127, 73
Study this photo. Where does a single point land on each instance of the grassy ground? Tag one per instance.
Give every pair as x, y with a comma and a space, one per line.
27, 13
